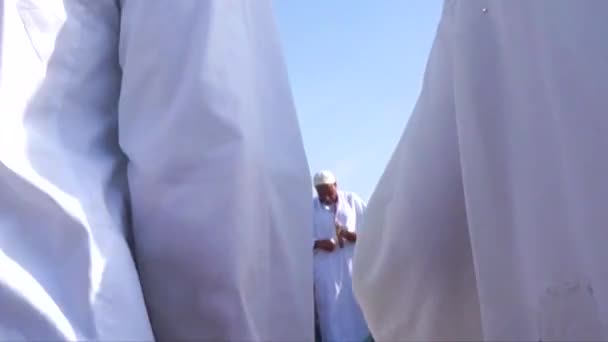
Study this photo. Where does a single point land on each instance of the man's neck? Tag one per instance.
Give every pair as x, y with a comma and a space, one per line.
329, 203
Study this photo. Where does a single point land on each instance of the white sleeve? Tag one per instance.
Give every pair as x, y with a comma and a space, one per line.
218, 178
413, 271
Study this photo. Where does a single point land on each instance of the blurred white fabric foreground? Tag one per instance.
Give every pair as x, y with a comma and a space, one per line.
165, 123
490, 220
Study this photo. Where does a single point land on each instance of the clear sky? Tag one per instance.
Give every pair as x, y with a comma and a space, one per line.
356, 68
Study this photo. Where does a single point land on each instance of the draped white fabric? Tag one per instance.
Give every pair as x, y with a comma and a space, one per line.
166, 123
490, 220
340, 317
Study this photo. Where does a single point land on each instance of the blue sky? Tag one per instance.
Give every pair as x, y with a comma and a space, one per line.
356, 68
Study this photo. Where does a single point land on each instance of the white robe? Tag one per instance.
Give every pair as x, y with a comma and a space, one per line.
340, 318
165, 123
490, 221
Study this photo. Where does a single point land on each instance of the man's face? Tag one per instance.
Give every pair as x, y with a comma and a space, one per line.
328, 193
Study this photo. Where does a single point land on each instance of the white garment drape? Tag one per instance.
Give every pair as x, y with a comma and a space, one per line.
490, 220
340, 317
175, 119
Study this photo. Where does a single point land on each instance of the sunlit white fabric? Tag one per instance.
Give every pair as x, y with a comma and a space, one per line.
340, 318
490, 220
166, 123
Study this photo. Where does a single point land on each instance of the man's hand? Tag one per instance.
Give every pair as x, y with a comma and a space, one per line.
325, 245
348, 236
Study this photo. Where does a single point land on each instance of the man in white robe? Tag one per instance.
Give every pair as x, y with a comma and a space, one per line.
490, 221
337, 215
166, 123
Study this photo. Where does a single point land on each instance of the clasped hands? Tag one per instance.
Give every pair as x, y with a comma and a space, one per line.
329, 245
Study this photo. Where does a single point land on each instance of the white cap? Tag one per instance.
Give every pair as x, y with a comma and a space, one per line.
324, 177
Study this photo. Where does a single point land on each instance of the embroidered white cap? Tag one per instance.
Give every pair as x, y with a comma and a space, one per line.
324, 177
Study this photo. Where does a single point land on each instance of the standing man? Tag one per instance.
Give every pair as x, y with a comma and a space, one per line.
166, 123
490, 221
337, 215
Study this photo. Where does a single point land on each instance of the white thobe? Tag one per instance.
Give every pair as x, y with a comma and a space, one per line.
165, 123
340, 318
490, 220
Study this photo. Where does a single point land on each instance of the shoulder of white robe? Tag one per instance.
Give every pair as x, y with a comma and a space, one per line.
354, 199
